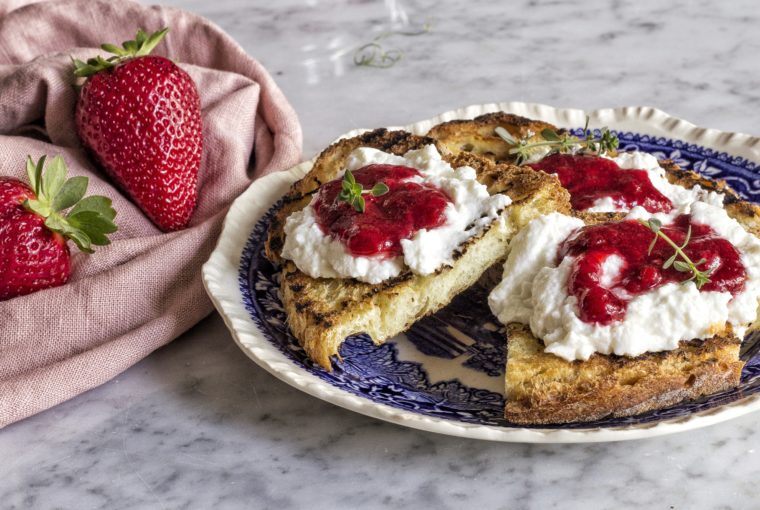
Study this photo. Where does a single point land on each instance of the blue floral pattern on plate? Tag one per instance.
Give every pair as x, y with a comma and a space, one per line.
450, 365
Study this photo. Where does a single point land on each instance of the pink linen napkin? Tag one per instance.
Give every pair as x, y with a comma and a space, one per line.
144, 289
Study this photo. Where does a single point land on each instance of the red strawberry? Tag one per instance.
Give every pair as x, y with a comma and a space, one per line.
140, 116
34, 228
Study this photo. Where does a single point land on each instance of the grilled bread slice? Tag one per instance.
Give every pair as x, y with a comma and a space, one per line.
322, 312
542, 388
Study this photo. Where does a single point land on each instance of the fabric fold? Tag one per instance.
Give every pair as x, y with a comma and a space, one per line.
144, 289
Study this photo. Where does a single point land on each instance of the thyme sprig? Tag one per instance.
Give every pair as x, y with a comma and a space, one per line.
685, 265
352, 191
563, 142
374, 54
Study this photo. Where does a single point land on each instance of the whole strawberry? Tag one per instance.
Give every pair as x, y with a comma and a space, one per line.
34, 227
140, 117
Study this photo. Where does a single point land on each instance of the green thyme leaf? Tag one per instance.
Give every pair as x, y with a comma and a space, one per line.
681, 266
651, 245
359, 204
687, 239
379, 189
685, 265
352, 191
550, 134
701, 279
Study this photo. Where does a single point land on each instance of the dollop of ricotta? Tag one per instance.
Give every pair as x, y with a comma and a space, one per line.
471, 209
678, 195
534, 291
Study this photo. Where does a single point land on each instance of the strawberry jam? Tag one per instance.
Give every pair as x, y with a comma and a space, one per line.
406, 208
602, 301
589, 178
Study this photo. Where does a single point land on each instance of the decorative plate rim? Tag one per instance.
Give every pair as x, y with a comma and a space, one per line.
220, 278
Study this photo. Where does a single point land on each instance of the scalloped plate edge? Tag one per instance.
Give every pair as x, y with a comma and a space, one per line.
220, 278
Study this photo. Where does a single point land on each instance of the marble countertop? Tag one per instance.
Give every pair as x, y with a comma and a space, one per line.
198, 425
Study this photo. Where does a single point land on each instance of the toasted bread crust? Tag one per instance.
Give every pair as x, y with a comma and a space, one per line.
746, 213
477, 136
545, 389
322, 312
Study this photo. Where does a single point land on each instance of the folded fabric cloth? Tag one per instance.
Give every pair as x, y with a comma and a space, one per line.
144, 289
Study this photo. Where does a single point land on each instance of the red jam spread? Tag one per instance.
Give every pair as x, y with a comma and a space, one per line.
406, 208
589, 178
642, 272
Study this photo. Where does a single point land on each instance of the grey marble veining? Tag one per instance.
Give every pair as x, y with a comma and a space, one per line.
197, 425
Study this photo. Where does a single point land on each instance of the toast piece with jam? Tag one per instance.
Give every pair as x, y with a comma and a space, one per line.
323, 311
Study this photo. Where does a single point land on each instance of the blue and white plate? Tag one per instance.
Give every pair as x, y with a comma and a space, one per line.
446, 373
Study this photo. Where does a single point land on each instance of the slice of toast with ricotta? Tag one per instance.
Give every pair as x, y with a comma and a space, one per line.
322, 312
542, 388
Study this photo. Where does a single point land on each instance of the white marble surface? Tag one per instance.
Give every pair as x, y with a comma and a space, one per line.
197, 425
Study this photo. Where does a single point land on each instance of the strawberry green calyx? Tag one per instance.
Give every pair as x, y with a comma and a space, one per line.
141, 46
88, 221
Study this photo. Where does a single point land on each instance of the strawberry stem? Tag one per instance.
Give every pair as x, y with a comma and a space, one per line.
89, 219
141, 46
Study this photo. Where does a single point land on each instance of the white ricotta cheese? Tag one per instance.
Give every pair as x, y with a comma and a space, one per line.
680, 196
471, 209
534, 291
533, 248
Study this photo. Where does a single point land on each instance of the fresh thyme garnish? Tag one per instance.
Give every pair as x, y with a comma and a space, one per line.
560, 142
373, 54
352, 191
683, 266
